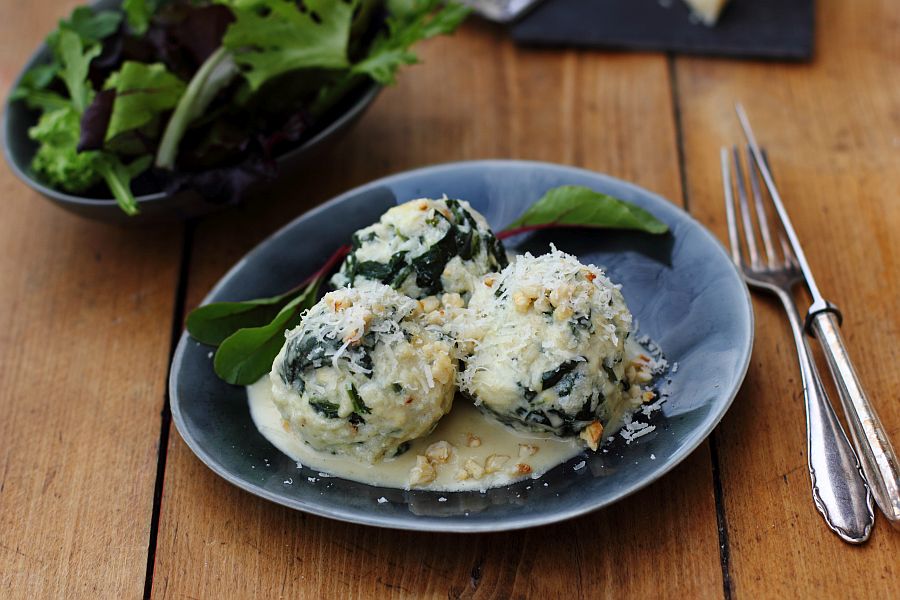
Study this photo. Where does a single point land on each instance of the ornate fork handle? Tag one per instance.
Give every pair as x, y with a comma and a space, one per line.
844, 501
878, 460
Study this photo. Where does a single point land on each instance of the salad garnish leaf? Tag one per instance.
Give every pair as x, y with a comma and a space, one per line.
271, 38
213, 323
118, 177
138, 13
579, 206
248, 335
76, 61
216, 73
57, 158
32, 89
408, 23
90, 26
247, 354
143, 91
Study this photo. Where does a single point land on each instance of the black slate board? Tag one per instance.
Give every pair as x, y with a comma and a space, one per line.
775, 29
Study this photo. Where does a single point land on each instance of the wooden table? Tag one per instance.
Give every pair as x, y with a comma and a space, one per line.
100, 498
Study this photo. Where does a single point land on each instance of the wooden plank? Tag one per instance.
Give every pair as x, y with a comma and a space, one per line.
476, 96
86, 327
831, 132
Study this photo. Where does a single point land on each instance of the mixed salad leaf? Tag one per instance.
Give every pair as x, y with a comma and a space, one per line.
250, 334
206, 94
579, 206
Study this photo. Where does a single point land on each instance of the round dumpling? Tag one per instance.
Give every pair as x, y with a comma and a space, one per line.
424, 248
546, 341
363, 373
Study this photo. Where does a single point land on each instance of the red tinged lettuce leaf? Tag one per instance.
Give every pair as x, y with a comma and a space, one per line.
200, 32
223, 185
95, 121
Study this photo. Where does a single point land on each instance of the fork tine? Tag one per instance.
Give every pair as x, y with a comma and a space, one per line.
761, 212
733, 240
746, 219
789, 259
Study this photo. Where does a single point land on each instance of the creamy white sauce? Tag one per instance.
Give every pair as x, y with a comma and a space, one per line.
456, 428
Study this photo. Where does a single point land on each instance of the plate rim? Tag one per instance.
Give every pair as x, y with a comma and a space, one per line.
436, 524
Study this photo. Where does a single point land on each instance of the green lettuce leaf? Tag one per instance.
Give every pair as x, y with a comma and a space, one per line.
90, 26
578, 206
138, 14
213, 75
57, 159
32, 88
247, 355
118, 177
273, 37
60, 164
142, 92
409, 22
75, 59
213, 323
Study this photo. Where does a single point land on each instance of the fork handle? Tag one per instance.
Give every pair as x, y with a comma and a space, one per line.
839, 489
872, 444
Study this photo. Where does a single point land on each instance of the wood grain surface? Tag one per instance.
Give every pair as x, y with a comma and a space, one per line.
89, 311
832, 130
86, 334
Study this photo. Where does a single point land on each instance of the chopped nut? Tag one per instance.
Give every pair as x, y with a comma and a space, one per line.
563, 313
336, 302
648, 396
642, 376
472, 441
561, 294
461, 475
523, 469
591, 434
474, 468
521, 301
453, 300
423, 205
422, 473
488, 280
542, 305
495, 462
439, 452
435, 317
429, 304
528, 450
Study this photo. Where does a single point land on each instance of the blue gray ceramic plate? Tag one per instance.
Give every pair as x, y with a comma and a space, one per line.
681, 287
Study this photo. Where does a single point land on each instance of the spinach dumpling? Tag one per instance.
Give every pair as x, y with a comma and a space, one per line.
546, 348
364, 373
424, 248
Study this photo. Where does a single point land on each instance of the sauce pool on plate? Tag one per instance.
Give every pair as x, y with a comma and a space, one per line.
482, 453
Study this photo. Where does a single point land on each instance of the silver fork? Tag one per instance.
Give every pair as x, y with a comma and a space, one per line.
839, 489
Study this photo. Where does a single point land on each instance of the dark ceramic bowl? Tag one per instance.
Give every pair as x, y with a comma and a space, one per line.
158, 206
682, 288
